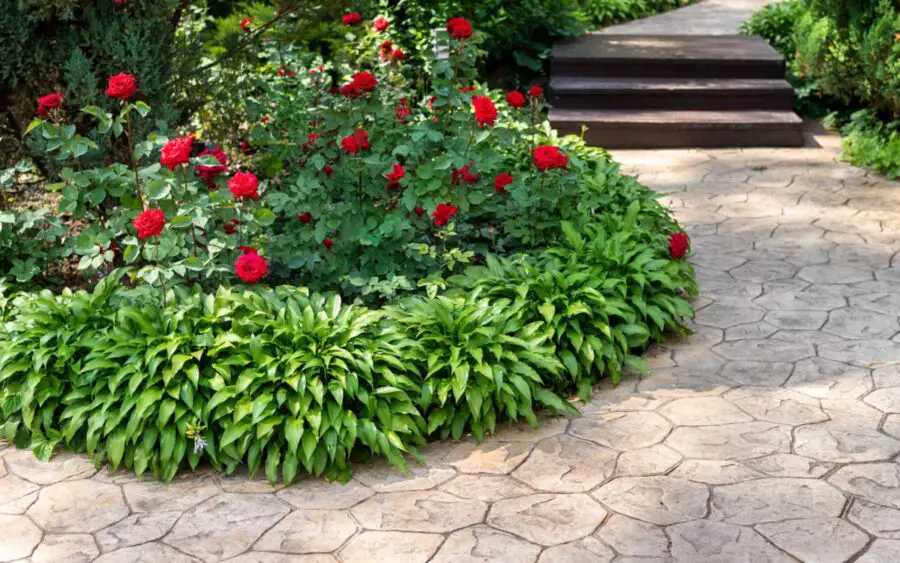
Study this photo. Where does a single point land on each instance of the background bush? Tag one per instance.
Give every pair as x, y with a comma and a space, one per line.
844, 57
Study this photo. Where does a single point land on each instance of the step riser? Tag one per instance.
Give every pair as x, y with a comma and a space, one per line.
613, 137
776, 101
668, 69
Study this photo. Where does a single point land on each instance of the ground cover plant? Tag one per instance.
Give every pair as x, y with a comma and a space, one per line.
372, 267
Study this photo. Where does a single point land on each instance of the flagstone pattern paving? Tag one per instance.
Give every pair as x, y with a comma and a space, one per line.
772, 434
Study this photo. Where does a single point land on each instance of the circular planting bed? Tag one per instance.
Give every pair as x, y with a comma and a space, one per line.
380, 266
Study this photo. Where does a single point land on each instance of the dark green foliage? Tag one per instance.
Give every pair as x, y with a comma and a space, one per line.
776, 23
73, 47
873, 143
519, 34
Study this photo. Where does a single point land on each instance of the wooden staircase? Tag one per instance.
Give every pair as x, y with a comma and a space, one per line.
667, 91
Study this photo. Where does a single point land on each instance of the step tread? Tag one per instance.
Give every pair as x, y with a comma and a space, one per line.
678, 118
678, 48
706, 86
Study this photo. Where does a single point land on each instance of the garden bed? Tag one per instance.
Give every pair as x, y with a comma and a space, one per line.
383, 266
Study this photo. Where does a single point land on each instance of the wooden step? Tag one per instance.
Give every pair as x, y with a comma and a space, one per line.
587, 92
667, 56
678, 129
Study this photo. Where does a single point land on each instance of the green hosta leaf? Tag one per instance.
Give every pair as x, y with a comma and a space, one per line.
547, 310
115, 448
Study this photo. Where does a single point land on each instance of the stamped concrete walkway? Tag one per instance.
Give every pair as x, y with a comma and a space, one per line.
772, 435
709, 17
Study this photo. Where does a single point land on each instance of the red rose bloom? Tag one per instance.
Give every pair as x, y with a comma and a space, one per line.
535, 91
515, 99
150, 223
443, 213
328, 170
395, 176
247, 250
548, 157
402, 111
176, 152
350, 90
312, 138
485, 111
121, 86
328, 243
467, 89
386, 48
251, 267
356, 142
351, 19
231, 226
121, 2
460, 28
463, 174
364, 81
245, 25
501, 181
244, 184
418, 211
678, 245
398, 55
305, 217
210, 172
380, 24
48, 102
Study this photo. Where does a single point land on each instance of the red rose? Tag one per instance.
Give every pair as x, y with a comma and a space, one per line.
150, 223
328, 243
418, 211
351, 19
251, 267
246, 147
443, 213
402, 112
515, 99
485, 111
395, 176
176, 152
535, 91
48, 102
312, 138
244, 184
231, 226
328, 170
247, 250
359, 140
463, 175
121, 86
398, 55
501, 181
364, 81
210, 172
350, 90
380, 24
121, 2
678, 245
386, 48
467, 89
245, 25
305, 217
459, 28
547, 157
316, 70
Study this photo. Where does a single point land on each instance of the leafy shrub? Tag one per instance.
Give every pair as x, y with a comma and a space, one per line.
776, 24
873, 143
71, 47
519, 34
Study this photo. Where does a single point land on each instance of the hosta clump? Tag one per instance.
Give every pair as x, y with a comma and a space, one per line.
478, 367
279, 379
599, 298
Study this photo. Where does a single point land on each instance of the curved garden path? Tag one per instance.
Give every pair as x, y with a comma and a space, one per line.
772, 435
